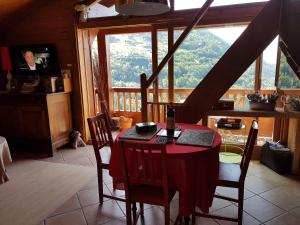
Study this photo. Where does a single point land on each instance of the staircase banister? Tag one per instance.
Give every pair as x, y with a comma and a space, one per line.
179, 41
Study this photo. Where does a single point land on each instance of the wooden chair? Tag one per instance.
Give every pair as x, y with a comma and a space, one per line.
233, 176
101, 137
141, 182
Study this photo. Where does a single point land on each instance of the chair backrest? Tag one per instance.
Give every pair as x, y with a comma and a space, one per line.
248, 150
100, 133
144, 164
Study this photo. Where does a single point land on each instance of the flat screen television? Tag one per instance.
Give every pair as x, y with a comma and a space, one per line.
34, 60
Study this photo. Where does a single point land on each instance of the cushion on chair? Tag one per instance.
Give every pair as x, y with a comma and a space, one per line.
105, 154
229, 174
149, 194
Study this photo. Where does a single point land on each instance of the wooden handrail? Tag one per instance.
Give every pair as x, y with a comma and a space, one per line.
179, 41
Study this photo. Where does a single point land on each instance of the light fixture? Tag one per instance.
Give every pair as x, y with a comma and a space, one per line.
142, 7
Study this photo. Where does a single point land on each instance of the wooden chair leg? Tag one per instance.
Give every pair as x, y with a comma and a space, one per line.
241, 206
134, 215
141, 209
167, 215
186, 220
100, 186
128, 213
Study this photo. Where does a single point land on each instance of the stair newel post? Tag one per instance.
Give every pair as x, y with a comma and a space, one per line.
144, 97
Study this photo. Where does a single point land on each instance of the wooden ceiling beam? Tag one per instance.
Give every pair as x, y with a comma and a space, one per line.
258, 35
243, 13
11, 20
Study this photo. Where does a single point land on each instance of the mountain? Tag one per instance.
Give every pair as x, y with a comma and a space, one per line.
130, 55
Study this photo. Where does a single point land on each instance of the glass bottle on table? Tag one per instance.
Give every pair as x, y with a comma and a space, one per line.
170, 120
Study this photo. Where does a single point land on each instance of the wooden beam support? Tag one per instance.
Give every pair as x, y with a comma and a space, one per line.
258, 35
171, 96
154, 67
243, 13
258, 70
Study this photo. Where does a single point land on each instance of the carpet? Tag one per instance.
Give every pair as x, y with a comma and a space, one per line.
36, 189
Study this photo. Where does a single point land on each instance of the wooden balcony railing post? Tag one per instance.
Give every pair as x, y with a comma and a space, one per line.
144, 97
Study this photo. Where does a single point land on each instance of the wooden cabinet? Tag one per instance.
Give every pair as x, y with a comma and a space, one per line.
36, 122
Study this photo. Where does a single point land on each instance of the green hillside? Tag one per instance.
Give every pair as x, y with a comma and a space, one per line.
130, 55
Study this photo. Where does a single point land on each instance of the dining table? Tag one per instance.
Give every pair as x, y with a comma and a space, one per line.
5, 158
192, 170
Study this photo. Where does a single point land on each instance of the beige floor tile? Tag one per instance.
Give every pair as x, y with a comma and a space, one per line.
258, 185
91, 196
92, 184
286, 219
205, 221
83, 161
116, 192
153, 215
219, 204
261, 209
296, 212
233, 192
70, 154
283, 197
232, 211
70, 205
100, 214
71, 218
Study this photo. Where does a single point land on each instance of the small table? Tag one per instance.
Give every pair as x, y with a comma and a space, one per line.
193, 170
5, 158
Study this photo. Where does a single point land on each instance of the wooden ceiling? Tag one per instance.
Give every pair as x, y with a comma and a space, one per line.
8, 7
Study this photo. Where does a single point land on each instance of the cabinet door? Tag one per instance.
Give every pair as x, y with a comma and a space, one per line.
59, 111
9, 121
34, 122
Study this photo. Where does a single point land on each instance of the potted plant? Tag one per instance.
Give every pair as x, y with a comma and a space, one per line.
262, 102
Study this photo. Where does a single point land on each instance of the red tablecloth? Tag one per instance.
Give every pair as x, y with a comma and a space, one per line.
193, 170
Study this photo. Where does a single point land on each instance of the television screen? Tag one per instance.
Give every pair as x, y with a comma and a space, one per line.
34, 60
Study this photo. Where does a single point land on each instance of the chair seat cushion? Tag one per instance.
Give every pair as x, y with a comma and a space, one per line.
105, 154
229, 174
150, 194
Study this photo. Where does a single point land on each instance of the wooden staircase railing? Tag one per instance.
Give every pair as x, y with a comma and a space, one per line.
289, 58
145, 83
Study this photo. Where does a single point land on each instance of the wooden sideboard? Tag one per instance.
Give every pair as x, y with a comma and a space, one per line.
35, 122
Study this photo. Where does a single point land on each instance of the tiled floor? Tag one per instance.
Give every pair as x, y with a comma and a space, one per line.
270, 199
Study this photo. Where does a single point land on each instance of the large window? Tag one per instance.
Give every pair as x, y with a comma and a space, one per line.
129, 56
190, 4
287, 77
269, 66
201, 51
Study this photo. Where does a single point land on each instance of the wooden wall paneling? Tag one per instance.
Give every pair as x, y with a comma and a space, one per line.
85, 61
234, 63
53, 23
242, 13
294, 144
105, 70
